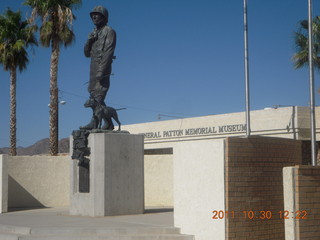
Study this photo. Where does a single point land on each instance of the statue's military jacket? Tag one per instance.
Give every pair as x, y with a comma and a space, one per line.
101, 52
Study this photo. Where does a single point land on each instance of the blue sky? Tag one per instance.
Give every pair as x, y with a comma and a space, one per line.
180, 58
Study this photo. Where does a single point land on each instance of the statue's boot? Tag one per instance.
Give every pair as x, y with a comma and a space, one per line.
91, 125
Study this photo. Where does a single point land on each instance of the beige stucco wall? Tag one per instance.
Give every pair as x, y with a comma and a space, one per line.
3, 183
158, 178
38, 181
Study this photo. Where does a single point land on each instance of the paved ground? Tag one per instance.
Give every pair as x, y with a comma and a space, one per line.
59, 217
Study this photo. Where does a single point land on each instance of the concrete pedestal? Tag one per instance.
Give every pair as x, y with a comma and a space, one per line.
116, 176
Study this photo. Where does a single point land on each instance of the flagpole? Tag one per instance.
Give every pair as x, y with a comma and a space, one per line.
246, 67
311, 83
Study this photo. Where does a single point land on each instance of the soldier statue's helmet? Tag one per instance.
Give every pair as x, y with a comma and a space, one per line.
101, 10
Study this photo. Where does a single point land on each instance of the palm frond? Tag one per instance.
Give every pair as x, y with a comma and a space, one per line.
57, 14
67, 35
46, 33
300, 58
15, 37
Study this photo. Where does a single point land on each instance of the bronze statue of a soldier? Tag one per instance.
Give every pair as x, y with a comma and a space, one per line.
100, 48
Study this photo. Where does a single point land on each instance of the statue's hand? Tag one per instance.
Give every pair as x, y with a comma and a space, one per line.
93, 36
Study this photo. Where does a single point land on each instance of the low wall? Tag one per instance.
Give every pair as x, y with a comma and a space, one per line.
38, 181
31, 178
3, 183
302, 202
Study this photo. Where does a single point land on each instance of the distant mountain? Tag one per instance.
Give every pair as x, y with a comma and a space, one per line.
40, 147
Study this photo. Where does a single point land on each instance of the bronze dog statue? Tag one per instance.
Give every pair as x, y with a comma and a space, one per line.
102, 112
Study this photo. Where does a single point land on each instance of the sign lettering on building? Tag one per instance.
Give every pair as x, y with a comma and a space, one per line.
196, 131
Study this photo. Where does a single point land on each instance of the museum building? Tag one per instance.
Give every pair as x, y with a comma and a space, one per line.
286, 122
161, 138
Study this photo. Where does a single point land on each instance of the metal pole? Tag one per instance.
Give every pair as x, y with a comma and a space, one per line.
311, 83
246, 67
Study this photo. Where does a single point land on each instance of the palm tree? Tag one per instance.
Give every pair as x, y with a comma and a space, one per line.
56, 17
15, 36
300, 58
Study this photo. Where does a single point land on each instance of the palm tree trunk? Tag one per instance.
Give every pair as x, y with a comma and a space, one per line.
13, 109
54, 99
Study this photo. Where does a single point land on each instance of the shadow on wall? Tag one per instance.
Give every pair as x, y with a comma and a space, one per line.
19, 197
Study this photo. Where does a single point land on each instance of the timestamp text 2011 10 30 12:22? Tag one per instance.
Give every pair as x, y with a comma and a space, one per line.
263, 215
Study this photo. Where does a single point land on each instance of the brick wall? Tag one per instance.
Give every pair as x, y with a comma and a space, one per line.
254, 184
307, 201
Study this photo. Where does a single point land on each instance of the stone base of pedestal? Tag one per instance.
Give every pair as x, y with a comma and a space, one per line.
116, 176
